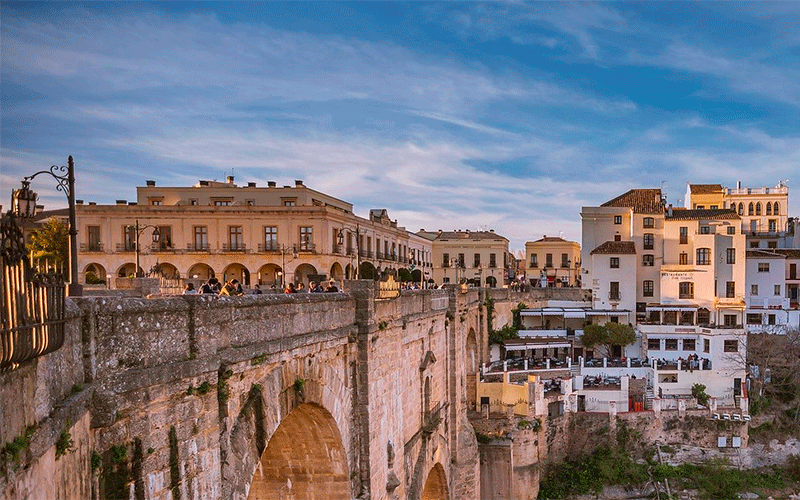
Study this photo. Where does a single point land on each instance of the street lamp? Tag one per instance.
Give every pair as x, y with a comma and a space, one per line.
139, 230
24, 206
285, 250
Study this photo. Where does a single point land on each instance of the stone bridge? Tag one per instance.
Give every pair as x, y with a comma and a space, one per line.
304, 396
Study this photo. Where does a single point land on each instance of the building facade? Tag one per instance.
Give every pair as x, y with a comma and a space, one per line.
469, 256
267, 236
553, 259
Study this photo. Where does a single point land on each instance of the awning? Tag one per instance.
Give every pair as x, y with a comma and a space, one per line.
575, 314
619, 312
526, 347
671, 308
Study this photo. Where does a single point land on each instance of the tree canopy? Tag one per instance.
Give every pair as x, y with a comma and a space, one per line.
605, 336
51, 242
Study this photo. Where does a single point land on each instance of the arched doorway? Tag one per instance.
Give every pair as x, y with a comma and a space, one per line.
304, 459
127, 270
337, 273
94, 274
367, 271
168, 271
491, 281
236, 271
200, 271
471, 368
302, 273
270, 274
436, 484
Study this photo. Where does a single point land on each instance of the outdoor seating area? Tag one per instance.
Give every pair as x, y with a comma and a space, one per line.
528, 364
601, 382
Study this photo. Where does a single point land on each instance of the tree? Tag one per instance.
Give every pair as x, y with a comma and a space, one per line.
404, 275
51, 242
608, 335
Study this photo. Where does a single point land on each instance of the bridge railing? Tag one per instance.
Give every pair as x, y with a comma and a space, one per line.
32, 304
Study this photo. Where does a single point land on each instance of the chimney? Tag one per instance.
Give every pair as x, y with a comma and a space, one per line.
229, 179
92, 203
251, 184
738, 184
150, 183
669, 210
133, 203
271, 184
204, 183
298, 183
79, 202
122, 202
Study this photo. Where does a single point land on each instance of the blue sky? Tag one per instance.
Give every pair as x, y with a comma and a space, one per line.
452, 115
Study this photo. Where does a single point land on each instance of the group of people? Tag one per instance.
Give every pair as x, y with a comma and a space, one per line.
313, 287
215, 287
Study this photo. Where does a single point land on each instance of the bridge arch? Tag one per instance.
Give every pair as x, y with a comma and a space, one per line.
436, 485
304, 459
472, 365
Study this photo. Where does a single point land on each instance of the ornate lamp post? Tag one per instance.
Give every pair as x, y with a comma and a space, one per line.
284, 251
24, 206
139, 230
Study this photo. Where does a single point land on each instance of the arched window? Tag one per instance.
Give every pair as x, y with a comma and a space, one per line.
741, 209
750, 209
758, 208
775, 208
769, 208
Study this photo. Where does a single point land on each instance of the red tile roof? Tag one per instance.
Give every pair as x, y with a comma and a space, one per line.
642, 201
707, 213
615, 248
705, 188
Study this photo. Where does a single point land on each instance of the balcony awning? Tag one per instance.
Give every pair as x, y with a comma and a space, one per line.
525, 347
610, 312
672, 307
575, 314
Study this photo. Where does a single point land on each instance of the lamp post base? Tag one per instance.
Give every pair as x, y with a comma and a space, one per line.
75, 290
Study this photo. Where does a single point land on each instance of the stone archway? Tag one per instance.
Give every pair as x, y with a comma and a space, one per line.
200, 271
238, 272
305, 273
127, 270
270, 274
337, 273
304, 459
94, 274
436, 484
472, 368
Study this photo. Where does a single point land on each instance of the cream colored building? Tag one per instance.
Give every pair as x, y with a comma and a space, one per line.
476, 256
763, 210
555, 258
265, 235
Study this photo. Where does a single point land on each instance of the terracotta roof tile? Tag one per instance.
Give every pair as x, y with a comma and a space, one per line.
764, 254
642, 201
790, 253
705, 188
615, 248
469, 235
707, 213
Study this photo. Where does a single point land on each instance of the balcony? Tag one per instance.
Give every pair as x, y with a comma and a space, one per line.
767, 303
91, 247
201, 247
268, 247
126, 247
234, 248
159, 248
307, 248
614, 296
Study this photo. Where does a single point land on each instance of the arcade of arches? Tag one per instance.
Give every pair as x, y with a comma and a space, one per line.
304, 459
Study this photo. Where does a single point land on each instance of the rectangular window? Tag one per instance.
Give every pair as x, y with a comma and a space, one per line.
753, 244
235, 238
270, 238
731, 229
613, 290
686, 290
706, 345
648, 222
193, 201
477, 260
753, 319
730, 289
617, 219
201, 237
617, 237
548, 261
703, 257
647, 288
307, 238
777, 290
771, 319
222, 203
683, 258
534, 260
730, 254
688, 345
753, 289
705, 229
714, 207
564, 260
165, 238
614, 262
670, 344
94, 238
129, 233
731, 346
772, 225
654, 344
684, 235
461, 260
763, 267
289, 202
492, 260
772, 244
730, 320
445, 260
648, 241
156, 202
250, 203
648, 260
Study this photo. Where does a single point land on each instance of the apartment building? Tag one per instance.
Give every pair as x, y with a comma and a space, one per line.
553, 260
469, 256
266, 235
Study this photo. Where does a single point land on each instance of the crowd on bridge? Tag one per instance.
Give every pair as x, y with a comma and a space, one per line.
234, 288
